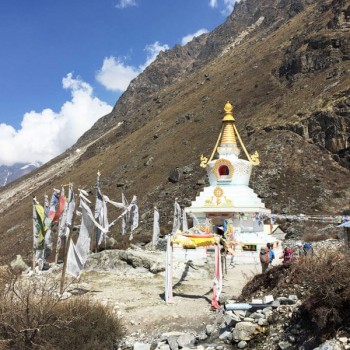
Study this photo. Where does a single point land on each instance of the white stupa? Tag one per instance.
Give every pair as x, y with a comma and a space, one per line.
228, 200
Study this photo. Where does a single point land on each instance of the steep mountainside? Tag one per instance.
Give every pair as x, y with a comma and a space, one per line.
285, 67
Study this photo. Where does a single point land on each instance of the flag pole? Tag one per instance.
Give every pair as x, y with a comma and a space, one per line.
57, 249
94, 243
34, 231
65, 259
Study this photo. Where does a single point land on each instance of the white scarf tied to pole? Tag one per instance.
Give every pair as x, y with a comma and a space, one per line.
100, 214
156, 230
184, 221
103, 222
78, 253
134, 216
177, 217
131, 212
125, 220
195, 220
117, 205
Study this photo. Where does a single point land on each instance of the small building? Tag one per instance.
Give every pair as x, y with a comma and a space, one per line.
228, 205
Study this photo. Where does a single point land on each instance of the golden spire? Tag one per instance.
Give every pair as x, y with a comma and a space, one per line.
228, 134
227, 139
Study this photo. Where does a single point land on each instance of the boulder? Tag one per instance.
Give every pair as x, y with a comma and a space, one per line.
242, 344
268, 299
284, 345
142, 259
329, 345
141, 346
244, 331
172, 341
186, 339
18, 264
175, 175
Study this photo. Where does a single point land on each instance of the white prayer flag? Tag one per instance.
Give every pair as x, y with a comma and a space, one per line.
78, 253
156, 230
177, 217
195, 220
126, 216
134, 216
184, 221
99, 211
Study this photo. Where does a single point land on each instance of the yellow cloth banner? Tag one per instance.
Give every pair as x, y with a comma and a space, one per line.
190, 241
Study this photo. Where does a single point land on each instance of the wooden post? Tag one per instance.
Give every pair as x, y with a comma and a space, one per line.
64, 242
169, 272
64, 268
96, 242
53, 225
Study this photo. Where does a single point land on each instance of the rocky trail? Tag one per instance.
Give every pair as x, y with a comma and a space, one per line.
137, 295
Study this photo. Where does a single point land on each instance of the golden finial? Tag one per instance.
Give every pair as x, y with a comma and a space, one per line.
228, 113
228, 107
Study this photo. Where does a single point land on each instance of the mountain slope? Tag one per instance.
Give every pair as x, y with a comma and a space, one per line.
285, 67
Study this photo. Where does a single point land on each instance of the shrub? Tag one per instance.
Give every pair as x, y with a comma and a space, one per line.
33, 316
83, 324
325, 280
317, 237
267, 281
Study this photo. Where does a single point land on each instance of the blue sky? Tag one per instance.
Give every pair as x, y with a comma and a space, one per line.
64, 64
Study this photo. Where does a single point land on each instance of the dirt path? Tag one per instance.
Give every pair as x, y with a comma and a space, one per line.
138, 296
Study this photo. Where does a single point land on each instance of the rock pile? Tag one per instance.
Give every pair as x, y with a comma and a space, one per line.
263, 324
240, 327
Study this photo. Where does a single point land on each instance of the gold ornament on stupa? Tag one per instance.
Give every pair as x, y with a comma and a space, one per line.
228, 138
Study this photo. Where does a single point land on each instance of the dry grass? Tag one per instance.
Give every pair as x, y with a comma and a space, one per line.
317, 237
33, 316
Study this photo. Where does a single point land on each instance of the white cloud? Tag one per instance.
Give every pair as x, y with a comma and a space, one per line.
115, 75
152, 53
225, 6
229, 5
186, 39
213, 3
43, 135
122, 4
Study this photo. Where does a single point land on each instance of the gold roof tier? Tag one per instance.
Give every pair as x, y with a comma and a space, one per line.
228, 135
228, 138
